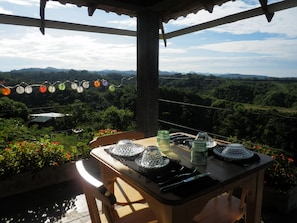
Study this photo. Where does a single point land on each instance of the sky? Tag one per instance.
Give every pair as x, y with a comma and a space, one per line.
251, 46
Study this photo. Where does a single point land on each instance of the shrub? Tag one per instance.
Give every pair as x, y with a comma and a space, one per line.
282, 175
30, 156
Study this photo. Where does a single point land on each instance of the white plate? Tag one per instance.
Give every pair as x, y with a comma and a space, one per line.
165, 163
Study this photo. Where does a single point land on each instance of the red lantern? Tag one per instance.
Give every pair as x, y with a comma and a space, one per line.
42, 89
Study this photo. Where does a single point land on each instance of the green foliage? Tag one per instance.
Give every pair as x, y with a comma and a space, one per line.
14, 129
117, 118
10, 108
282, 175
262, 111
29, 156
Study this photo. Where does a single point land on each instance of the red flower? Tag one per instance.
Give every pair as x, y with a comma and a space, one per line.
291, 160
68, 156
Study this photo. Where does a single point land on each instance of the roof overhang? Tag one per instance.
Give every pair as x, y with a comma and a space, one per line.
167, 9
267, 10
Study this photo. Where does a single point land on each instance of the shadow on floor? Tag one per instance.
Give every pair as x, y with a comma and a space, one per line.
58, 203
44, 205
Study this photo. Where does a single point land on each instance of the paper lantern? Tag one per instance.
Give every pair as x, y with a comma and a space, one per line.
62, 86
28, 89
6, 91
111, 88
97, 83
20, 90
86, 84
74, 86
42, 89
105, 83
51, 89
80, 89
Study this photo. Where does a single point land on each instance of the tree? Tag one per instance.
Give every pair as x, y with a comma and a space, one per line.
119, 119
13, 109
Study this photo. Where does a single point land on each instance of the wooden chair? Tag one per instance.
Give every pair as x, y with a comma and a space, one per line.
224, 208
124, 192
93, 188
114, 138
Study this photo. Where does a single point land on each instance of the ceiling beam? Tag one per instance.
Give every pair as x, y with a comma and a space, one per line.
233, 18
26, 21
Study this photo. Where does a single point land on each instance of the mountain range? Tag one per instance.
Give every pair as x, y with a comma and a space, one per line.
133, 72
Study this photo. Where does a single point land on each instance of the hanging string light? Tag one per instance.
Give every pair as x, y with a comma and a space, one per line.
47, 86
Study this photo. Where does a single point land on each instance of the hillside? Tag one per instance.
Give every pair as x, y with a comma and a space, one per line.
261, 110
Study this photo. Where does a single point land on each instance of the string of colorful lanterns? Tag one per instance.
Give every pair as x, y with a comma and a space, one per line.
46, 86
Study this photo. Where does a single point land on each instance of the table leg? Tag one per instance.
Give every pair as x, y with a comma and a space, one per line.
254, 198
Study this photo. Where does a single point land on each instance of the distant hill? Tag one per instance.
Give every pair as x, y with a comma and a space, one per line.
39, 70
102, 72
243, 76
133, 72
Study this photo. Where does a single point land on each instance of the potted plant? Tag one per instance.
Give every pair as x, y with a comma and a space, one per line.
280, 180
29, 165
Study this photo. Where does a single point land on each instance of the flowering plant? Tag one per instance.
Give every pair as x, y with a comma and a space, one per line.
19, 157
104, 132
282, 175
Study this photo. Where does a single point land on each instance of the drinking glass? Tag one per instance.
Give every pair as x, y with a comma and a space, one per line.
199, 153
163, 140
151, 157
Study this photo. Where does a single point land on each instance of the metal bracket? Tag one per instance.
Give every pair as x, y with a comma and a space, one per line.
42, 9
269, 15
163, 33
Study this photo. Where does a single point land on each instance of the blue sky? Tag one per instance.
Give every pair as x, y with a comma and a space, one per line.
251, 46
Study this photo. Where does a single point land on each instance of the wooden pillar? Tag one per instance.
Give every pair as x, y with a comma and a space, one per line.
147, 72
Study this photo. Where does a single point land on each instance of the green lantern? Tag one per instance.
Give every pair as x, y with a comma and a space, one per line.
62, 86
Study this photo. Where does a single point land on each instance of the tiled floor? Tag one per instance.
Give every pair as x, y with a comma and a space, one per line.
61, 203
66, 203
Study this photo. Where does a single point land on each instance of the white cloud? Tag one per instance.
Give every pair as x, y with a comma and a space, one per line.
123, 24
21, 2
218, 12
272, 47
4, 11
26, 47
282, 22
69, 51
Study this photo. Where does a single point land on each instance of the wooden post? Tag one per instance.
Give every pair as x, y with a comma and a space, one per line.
147, 72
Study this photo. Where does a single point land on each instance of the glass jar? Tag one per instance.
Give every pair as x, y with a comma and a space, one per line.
199, 153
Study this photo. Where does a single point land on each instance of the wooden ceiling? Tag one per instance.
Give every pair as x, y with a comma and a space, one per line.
168, 9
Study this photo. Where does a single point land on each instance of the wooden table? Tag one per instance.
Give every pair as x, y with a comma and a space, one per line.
172, 208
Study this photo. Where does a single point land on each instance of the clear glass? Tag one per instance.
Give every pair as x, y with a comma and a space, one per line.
126, 147
199, 153
163, 140
151, 157
210, 143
